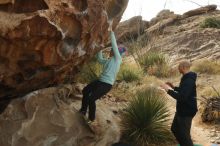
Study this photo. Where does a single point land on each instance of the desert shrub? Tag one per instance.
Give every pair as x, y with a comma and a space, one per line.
152, 59
159, 71
138, 47
211, 23
145, 118
89, 72
207, 67
157, 64
129, 73
141, 50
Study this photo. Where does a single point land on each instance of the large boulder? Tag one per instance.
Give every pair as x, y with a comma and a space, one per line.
162, 15
43, 42
163, 19
201, 10
131, 28
50, 117
159, 26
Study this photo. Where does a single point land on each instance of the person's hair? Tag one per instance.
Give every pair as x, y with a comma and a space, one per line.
121, 50
185, 64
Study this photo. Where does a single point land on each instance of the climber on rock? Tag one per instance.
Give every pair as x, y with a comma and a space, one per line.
96, 89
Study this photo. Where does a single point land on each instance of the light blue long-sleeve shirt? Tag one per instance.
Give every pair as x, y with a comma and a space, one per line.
110, 66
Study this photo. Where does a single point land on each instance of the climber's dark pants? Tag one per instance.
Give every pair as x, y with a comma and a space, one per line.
181, 129
91, 93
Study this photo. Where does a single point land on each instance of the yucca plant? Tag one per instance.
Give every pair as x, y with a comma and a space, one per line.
145, 119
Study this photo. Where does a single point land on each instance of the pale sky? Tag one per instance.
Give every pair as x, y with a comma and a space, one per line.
149, 8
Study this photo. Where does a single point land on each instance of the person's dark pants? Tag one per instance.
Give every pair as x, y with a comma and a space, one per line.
181, 127
91, 93
120, 144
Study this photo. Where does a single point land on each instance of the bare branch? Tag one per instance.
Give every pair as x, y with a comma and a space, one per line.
193, 2
165, 4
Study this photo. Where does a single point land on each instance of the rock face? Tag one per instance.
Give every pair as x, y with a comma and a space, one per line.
162, 15
163, 19
182, 37
43, 41
49, 118
201, 10
159, 26
131, 28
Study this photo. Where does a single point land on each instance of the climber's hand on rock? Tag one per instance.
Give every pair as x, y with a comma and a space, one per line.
1, 77
110, 22
69, 10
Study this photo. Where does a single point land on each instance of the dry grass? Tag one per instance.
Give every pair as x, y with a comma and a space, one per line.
150, 81
157, 64
129, 73
89, 72
122, 92
207, 67
125, 91
161, 71
210, 92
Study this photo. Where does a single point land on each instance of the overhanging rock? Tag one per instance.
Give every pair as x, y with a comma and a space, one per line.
44, 41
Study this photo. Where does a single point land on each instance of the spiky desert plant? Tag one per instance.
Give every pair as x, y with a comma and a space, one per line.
145, 119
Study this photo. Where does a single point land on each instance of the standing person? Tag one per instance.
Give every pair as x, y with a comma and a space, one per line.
186, 107
103, 85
